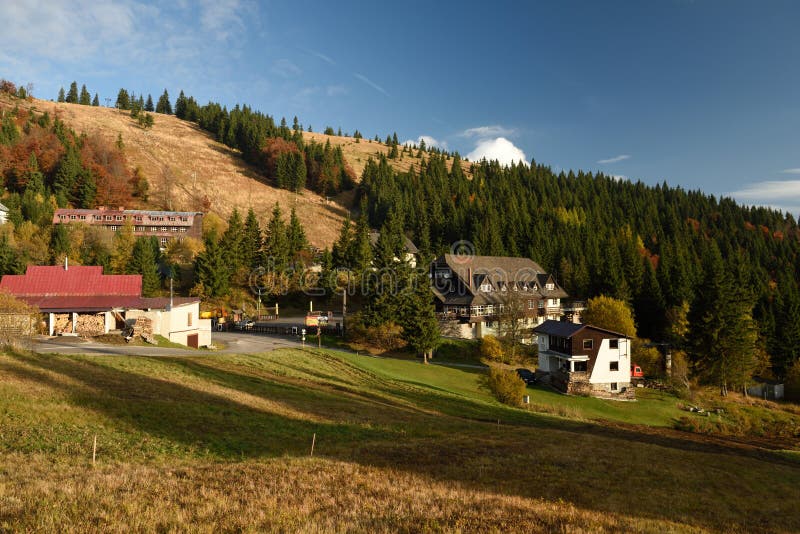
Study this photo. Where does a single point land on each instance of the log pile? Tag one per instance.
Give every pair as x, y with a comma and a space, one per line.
90, 325
62, 322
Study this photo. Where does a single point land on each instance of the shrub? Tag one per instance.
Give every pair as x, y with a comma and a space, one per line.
491, 348
506, 386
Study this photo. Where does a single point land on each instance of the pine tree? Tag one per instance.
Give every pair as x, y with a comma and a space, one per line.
722, 334
233, 242
144, 262
340, 253
123, 100
59, 243
251, 242
418, 316
85, 99
163, 105
96, 101
181, 106
211, 267
9, 259
61, 97
276, 241
69, 168
148, 106
72, 95
296, 235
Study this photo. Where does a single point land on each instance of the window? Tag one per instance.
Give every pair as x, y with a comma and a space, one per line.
541, 304
172, 218
613, 386
530, 304
613, 343
83, 217
138, 218
550, 286
109, 218
613, 366
113, 228
189, 319
164, 229
164, 241
588, 343
120, 218
183, 229
72, 217
185, 219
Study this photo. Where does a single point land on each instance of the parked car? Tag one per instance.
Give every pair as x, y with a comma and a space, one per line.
245, 324
526, 375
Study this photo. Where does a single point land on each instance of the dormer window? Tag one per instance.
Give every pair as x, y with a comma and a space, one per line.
550, 286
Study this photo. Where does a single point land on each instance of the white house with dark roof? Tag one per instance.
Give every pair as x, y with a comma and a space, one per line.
584, 359
473, 292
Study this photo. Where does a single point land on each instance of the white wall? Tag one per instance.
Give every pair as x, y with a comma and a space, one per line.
601, 374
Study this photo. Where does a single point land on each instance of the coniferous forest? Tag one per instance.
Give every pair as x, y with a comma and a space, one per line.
662, 249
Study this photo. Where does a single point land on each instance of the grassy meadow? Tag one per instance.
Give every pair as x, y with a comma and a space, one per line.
222, 442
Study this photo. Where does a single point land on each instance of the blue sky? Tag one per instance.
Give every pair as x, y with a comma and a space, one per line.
700, 93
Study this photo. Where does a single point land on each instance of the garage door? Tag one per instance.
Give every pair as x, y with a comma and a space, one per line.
192, 340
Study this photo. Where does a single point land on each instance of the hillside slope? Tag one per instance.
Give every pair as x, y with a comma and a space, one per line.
224, 442
187, 168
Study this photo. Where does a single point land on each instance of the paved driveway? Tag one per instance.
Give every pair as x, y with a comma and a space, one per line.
235, 343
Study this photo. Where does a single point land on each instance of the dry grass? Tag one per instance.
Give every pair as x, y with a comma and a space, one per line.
185, 165
357, 153
221, 443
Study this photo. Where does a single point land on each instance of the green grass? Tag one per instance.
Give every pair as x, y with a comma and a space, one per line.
400, 446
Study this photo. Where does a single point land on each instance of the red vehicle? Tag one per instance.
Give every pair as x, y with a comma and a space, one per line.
636, 371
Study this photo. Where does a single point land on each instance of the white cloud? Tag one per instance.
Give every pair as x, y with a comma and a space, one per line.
615, 159
485, 132
619, 177
285, 68
336, 90
429, 142
221, 17
370, 83
791, 171
500, 149
780, 194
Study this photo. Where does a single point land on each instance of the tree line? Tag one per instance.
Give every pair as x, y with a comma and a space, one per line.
663, 250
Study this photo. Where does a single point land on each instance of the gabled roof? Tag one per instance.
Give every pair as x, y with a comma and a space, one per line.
502, 273
63, 281
3, 207
567, 329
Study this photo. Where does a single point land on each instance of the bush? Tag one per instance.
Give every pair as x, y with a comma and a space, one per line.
491, 348
506, 386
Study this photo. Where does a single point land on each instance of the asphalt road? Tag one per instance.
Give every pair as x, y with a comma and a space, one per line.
234, 343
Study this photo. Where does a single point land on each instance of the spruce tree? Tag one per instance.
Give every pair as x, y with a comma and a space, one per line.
85, 99
123, 99
61, 97
72, 95
211, 267
251, 242
233, 242
144, 262
148, 106
9, 259
296, 235
418, 316
96, 101
163, 105
276, 241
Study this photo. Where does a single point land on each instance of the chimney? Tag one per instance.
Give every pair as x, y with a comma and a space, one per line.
66, 263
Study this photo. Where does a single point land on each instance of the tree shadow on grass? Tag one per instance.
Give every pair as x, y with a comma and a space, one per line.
195, 419
534, 457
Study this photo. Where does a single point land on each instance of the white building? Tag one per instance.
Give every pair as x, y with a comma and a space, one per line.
583, 359
3, 214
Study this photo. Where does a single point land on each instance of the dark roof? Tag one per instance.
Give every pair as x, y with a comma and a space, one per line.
502, 273
3, 208
78, 280
411, 248
567, 329
88, 304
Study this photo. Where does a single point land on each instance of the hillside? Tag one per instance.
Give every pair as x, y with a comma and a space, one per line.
187, 169
223, 442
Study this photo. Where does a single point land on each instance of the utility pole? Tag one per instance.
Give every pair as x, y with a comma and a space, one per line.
344, 307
